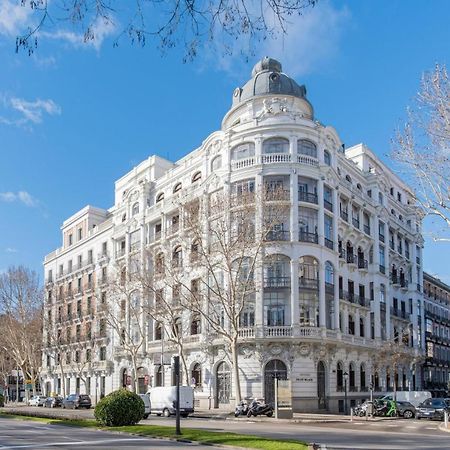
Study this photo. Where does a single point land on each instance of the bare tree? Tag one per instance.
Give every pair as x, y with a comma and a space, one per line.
396, 353
171, 23
6, 363
124, 314
21, 302
422, 147
226, 236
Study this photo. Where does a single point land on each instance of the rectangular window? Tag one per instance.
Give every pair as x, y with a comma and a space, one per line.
70, 239
102, 353
80, 234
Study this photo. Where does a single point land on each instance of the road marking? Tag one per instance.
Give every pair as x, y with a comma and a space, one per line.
54, 444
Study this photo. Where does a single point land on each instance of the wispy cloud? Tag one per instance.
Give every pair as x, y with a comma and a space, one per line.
100, 30
20, 196
13, 17
11, 250
19, 111
311, 42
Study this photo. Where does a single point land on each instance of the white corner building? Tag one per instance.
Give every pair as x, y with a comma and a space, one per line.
346, 268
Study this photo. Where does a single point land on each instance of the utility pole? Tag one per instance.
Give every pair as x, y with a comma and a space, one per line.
176, 366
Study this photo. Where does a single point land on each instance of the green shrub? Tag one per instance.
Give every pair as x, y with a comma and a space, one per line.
119, 408
2, 401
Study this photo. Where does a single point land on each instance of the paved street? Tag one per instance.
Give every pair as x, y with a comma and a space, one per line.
381, 434
21, 434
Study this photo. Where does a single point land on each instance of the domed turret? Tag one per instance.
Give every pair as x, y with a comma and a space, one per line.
267, 78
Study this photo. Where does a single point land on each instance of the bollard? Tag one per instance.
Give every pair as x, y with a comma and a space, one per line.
446, 419
367, 414
351, 414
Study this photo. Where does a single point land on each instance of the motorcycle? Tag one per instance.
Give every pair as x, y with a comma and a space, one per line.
257, 408
241, 409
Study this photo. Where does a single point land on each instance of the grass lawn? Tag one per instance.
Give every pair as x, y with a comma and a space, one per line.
192, 434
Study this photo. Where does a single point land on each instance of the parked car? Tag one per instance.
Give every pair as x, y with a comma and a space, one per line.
433, 408
406, 410
75, 401
53, 402
146, 399
414, 397
37, 400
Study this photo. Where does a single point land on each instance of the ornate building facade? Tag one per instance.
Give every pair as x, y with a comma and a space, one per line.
436, 368
343, 274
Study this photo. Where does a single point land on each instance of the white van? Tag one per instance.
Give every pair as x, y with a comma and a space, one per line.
162, 400
413, 397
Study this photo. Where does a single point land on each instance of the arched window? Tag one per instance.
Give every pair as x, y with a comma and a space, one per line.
196, 375
351, 377
177, 256
196, 177
358, 186
135, 209
158, 332
308, 272
362, 377
329, 273
159, 264
276, 145
351, 325
160, 197
347, 177
305, 147
327, 157
216, 163
339, 377
177, 188
196, 325
277, 271
242, 151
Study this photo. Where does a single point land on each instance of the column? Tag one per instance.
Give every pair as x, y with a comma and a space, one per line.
294, 208
335, 218
336, 300
367, 324
295, 307
320, 225
357, 317
258, 149
322, 305
345, 319
376, 311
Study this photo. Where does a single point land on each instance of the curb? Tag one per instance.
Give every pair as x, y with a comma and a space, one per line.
442, 428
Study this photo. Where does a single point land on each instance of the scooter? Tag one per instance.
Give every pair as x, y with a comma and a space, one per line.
258, 409
241, 409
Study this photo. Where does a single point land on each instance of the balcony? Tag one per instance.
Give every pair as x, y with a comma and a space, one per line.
304, 236
362, 263
277, 195
277, 282
344, 215
382, 269
308, 283
367, 230
328, 205
246, 333
398, 313
278, 235
342, 253
404, 283
351, 258
355, 222
273, 158
307, 197
381, 237
329, 244
363, 301
279, 331
394, 279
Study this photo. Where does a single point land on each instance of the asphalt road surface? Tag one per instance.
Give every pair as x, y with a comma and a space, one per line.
22, 435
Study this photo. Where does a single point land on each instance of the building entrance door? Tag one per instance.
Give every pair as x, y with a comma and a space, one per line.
223, 383
321, 391
274, 369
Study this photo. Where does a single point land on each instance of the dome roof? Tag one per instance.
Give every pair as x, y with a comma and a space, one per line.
267, 78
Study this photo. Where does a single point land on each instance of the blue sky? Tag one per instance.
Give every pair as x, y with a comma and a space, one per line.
74, 118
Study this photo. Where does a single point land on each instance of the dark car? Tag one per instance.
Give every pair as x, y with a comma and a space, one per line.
53, 402
433, 408
75, 401
406, 410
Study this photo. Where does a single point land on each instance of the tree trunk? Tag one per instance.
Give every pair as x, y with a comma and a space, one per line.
235, 366
135, 379
185, 368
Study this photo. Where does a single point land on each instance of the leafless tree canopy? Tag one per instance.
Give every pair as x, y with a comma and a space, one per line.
423, 146
188, 23
21, 320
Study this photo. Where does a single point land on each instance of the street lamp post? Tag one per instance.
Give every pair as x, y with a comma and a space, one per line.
345, 393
